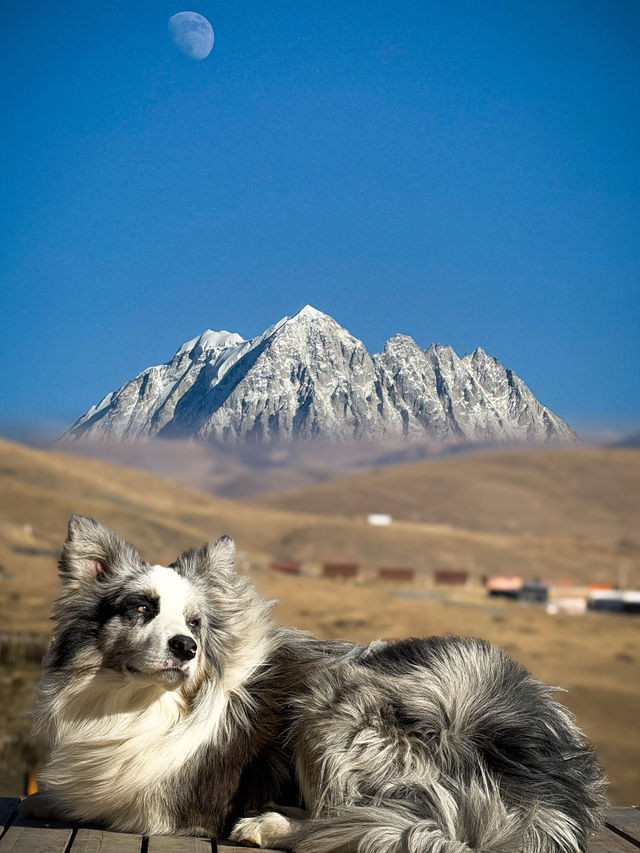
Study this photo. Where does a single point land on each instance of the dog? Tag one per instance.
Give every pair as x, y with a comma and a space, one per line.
174, 704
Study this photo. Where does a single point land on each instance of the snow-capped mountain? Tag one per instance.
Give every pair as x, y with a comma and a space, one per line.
307, 377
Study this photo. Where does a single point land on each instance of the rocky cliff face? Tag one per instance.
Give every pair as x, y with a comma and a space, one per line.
307, 377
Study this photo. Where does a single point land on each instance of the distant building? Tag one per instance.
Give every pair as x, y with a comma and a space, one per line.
340, 570
379, 519
288, 567
572, 605
533, 592
606, 599
631, 601
453, 577
396, 573
508, 586
615, 600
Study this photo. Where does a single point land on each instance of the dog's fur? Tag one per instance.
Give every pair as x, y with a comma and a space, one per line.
419, 746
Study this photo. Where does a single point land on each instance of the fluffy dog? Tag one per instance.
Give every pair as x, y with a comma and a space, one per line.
174, 704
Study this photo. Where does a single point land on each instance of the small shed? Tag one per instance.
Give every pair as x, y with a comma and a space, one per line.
615, 600
606, 599
396, 573
452, 577
533, 592
288, 567
631, 601
379, 519
571, 605
340, 570
508, 586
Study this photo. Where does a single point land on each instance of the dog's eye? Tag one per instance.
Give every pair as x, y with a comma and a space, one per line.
193, 624
142, 608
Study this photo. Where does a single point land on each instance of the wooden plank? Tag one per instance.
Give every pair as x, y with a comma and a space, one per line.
179, 844
232, 847
624, 821
608, 842
26, 835
8, 805
102, 841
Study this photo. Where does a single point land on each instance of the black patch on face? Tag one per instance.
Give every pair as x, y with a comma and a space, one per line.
135, 608
70, 642
138, 608
142, 608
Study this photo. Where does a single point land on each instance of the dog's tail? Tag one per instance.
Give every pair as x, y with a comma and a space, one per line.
481, 824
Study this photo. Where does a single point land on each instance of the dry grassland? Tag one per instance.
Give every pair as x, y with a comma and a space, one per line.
562, 491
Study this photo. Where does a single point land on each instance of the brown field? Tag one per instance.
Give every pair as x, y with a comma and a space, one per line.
558, 491
540, 513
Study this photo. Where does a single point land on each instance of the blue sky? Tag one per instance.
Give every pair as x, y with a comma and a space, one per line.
460, 172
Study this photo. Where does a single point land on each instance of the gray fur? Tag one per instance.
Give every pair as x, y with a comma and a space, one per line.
441, 745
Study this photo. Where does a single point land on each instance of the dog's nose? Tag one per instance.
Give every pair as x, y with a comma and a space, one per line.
183, 647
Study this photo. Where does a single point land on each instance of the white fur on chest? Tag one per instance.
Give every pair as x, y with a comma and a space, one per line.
115, 743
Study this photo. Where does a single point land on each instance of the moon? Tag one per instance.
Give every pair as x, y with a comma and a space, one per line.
192, 34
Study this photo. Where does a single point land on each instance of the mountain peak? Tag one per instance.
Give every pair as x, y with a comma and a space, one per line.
308, 377
480, 354
210, 340
400, 341
311, 313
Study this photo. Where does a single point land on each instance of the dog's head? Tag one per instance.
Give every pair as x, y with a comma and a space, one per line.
164, 624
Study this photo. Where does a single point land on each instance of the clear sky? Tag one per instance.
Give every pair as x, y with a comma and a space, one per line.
462, 172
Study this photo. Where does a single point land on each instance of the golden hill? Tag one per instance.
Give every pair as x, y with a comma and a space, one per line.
494, 512
576, 491
542, 503
546, 513
40, 489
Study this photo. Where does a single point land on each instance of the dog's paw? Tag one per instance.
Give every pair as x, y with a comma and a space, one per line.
266, 830
289, 811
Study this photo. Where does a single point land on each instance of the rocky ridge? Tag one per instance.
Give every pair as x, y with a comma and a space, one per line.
307, 377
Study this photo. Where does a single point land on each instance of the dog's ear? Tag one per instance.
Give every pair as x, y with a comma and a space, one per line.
219, 557
92, 553
215, 558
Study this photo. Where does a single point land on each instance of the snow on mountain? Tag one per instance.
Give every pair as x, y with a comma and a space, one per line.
308, 377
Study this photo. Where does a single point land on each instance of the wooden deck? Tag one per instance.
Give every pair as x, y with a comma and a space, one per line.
19, 835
